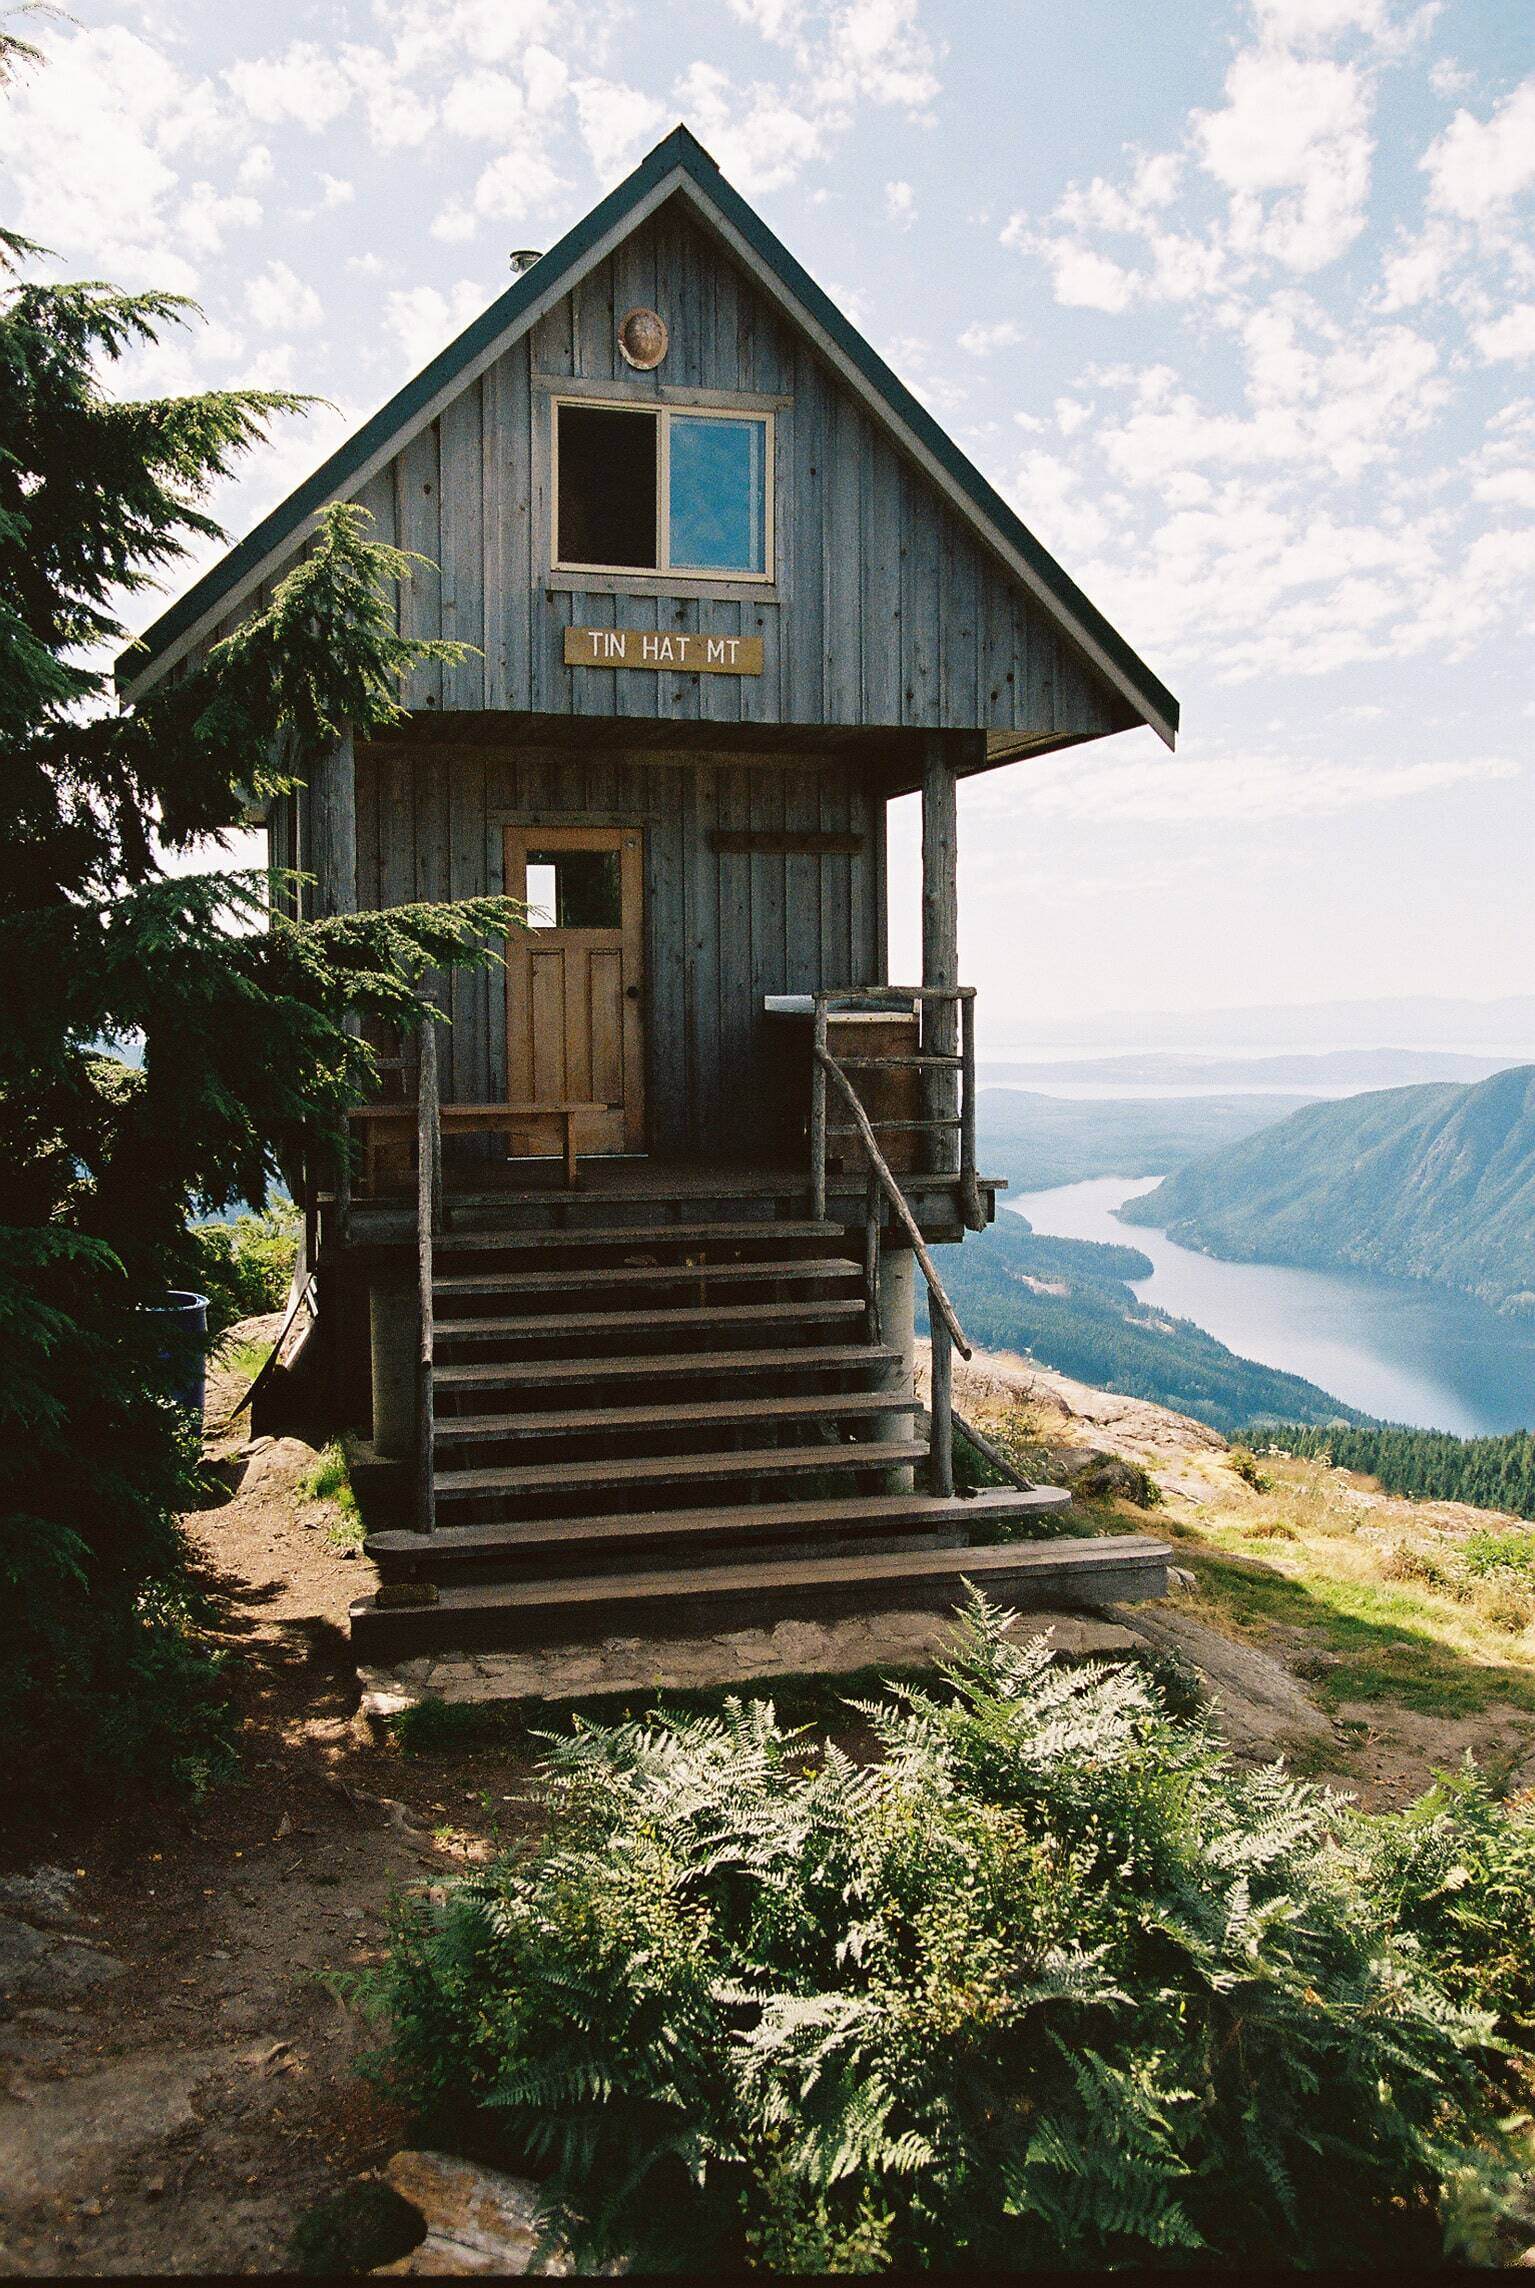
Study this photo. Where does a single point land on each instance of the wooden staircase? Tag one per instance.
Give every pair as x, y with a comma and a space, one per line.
683, 1426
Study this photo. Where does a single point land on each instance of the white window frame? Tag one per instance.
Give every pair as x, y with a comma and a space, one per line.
663, 414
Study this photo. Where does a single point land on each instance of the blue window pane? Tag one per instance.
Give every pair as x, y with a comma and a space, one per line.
718, 495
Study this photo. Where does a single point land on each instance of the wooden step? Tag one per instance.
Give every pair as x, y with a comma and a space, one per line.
638, 1235
708, 1413
675, 1469
695, 1533
1110, 1570
698, 1318
560, 1280
807, 1358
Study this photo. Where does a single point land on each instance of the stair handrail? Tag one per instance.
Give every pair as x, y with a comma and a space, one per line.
428, 1224
935, 1067
943, 1325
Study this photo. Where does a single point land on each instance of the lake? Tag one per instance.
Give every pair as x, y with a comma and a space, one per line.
1392, 1347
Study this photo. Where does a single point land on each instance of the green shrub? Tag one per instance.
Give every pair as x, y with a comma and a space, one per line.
1052, 1982
248, 1263
1490, 1553
1458, 1869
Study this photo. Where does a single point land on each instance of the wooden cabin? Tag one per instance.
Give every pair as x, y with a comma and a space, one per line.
617, 1292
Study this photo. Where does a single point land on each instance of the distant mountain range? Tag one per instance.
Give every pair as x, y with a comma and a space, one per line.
1409, 1022
1035, 1141
1331, 1069
1066, 1303
1432, 1183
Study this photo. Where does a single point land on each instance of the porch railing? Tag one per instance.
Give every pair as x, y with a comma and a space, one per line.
830, 1073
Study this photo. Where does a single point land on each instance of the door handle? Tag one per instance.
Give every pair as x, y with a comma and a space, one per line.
631, 992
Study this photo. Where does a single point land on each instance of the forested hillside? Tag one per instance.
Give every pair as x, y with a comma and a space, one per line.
1067, 1303
1430, 1183
1036, 1141
1490, 1473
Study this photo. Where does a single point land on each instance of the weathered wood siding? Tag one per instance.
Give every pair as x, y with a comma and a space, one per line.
885, 609
722, 929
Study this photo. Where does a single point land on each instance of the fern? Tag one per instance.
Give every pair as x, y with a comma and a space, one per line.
1047, 1982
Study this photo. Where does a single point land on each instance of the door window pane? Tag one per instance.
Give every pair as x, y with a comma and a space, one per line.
718, 494
573, 889
607, 486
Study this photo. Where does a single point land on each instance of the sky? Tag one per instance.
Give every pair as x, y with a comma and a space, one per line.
1234, 301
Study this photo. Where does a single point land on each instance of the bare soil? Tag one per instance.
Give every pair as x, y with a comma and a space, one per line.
183, 2105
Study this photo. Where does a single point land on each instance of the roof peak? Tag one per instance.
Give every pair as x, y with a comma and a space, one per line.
620, 210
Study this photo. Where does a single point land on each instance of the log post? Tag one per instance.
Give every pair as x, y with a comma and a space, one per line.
328, 808
940, 1410
940, 941
818, 1114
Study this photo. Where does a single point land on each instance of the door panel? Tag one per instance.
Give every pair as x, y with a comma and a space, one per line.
574, 982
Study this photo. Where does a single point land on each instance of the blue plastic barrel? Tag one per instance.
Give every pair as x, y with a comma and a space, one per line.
185, 1318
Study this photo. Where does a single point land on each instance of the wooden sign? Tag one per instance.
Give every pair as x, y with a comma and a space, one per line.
642, 647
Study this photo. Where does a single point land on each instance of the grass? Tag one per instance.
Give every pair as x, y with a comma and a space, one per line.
1417, 1609
330, 1481
245, 1359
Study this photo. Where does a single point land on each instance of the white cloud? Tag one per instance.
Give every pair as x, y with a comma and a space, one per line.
981, 340
900, 205
1448, 79
1297, 127
488, 106
336, 191
1107, 789
1308, 23
876, 51
399, 115
516, 186
305, 84
425, 320
1508, 488
278, 301
95, 141
618, 124
1511, 336
761, 138
1476, 168
206, 215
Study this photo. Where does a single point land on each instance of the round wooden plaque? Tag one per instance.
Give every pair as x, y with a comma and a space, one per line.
642, 339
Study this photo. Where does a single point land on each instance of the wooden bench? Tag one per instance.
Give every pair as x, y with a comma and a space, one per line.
387, 1126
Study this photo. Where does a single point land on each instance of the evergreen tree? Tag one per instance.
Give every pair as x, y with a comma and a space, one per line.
240, 1011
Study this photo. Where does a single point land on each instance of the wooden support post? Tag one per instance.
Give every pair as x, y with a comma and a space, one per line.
428, 1218
329, 808
969, 1182
940, 1410
818, 1115
871, 1222
940, 940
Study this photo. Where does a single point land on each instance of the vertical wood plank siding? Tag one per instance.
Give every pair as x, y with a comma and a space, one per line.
885, 610
721, 929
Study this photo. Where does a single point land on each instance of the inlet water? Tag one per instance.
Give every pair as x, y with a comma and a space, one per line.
1397, 1348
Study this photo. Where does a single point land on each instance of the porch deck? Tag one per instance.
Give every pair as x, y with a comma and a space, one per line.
614, 1189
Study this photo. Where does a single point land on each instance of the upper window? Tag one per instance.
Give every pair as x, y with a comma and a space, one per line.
659, 489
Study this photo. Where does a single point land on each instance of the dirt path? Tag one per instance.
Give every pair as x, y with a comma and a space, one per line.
177, 2084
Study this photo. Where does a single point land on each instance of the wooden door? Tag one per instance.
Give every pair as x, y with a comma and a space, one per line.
575, 981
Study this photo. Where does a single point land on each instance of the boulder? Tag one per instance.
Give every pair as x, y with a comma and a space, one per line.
477, 2220
1258, 1705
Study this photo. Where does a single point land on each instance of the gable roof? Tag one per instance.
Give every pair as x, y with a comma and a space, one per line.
678, 165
